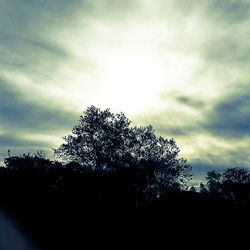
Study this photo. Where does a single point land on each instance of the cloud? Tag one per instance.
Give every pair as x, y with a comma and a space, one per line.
27, 126
231, 117
230, 11
16, 141
18, 114
214, 135
200, 169
192, 102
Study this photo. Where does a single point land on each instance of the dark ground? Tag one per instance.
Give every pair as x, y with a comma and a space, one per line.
52, 222
87, 211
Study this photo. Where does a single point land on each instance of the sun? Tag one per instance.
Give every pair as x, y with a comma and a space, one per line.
131, 81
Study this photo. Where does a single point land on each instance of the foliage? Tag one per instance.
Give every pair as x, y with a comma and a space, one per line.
213, 179
233, 183
104, 142
27, 161
99, 141
236, 183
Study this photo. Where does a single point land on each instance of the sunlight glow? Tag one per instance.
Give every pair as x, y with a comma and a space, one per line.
131, 81
126, 67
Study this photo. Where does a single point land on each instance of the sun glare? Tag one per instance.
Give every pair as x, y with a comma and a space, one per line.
130, 81
134, 82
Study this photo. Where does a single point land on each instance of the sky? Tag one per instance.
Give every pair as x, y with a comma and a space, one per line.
182, 66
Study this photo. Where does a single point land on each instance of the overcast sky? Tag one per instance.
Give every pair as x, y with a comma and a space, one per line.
180, 65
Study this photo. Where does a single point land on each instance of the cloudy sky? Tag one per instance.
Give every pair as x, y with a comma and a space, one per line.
182, 66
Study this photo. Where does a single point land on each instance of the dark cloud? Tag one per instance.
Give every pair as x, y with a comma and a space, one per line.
36, 58
25, 40
178, 122
18, 114
26, 17
14, 140
235, 157
193, 102
223, 11
23, 12
228, 117
200, 169
229, 11
231, 116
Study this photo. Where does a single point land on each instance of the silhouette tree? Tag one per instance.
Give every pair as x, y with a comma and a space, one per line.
236, 175
236, 183
99, 141
192, 189
213, 179
203, 189
233, 183
27, 162
104, 142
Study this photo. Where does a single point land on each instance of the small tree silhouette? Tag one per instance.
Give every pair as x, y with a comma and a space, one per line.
236, 183
233, 183
213, 179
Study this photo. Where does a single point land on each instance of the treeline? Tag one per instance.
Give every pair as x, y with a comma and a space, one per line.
116, 180
126, 187
60, 203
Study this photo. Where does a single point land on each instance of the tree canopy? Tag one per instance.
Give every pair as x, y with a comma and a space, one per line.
103, 141
232, 183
